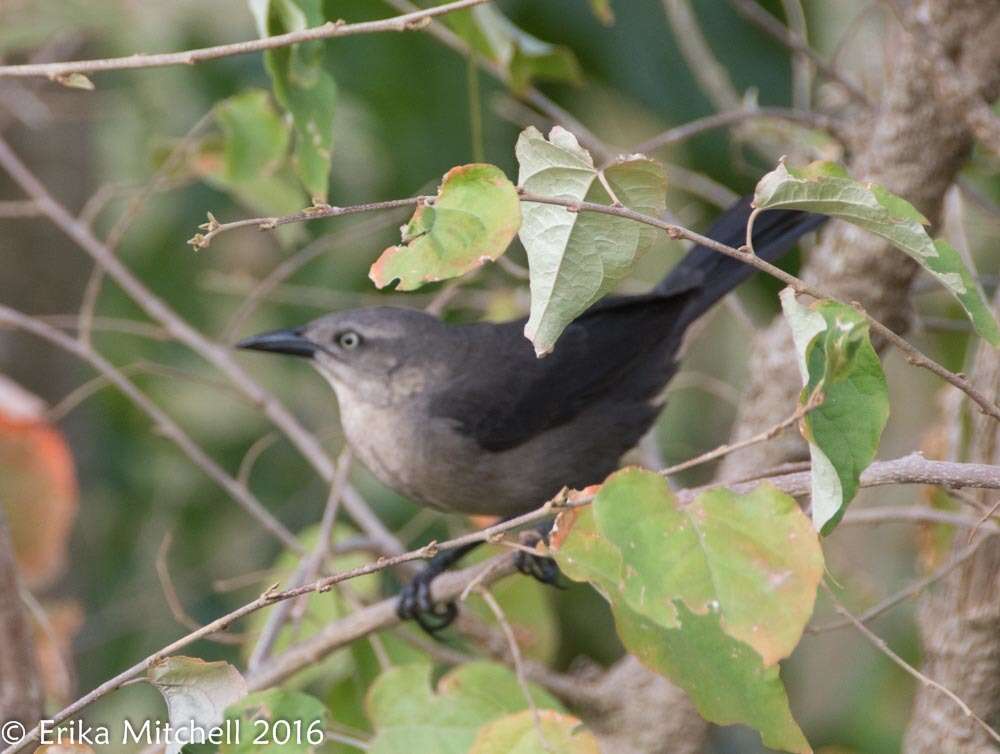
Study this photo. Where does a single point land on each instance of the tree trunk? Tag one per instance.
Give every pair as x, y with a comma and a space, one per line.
960, 620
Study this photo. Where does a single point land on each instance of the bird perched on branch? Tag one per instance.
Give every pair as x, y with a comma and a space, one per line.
465, 418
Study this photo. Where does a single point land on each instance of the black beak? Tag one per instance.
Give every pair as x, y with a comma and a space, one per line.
291, 342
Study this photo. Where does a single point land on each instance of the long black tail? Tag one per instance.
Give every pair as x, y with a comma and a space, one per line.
712, 275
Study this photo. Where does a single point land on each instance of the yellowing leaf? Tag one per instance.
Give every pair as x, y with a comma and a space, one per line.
472, 220
711, 595
519, 734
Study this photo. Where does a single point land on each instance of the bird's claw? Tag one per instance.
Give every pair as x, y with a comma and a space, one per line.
417, 604
536, 565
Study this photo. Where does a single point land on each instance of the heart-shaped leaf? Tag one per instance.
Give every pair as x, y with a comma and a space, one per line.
575, 258
710, 595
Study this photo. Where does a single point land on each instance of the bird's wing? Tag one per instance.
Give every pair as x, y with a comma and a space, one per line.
620, 352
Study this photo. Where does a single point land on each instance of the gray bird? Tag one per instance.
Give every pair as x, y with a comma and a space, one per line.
465, 418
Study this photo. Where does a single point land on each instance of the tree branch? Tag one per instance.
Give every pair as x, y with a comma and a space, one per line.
219, 356
407, 22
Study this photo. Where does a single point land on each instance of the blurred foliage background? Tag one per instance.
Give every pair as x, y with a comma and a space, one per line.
402, 119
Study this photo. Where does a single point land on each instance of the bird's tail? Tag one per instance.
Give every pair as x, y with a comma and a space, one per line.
708, 275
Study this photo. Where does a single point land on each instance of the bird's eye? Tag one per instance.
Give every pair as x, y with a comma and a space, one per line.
349, 340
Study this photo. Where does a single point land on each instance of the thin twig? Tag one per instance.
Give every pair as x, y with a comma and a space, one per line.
712, 77
879, 643
166, 425
319, 212
329, 30
18, 208
911, 353
763, 20
219, 356
92, 291
678, 134
802, 67
912, 590
173, 599
308, 566
518, 660
767, 434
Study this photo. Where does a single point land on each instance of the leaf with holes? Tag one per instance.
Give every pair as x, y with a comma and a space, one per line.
826, 188
575, 258
303, 87
837, 360
711, 595
472, 220
197, 692
412, 718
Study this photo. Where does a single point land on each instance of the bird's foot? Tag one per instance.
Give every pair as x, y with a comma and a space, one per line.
534, 564
417, 604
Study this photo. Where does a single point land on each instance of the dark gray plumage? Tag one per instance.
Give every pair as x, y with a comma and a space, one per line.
466, 418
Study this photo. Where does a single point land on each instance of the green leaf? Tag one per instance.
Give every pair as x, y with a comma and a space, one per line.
836, 359
410, 718
250, 162
256, 137
519, 734
473, 219
826, 188
301, 732
197, 693
523, 57
302, 86
578, 257
711, 595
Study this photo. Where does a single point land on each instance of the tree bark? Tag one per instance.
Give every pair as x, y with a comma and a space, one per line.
20, 690
914, 145
960, 621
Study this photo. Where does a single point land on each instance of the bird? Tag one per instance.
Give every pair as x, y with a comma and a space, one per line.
464, 418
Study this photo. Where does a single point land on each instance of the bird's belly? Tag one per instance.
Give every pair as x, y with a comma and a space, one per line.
432, 464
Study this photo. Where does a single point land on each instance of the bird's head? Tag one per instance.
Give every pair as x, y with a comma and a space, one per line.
378, 354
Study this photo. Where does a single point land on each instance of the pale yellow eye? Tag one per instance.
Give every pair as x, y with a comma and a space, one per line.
349, 340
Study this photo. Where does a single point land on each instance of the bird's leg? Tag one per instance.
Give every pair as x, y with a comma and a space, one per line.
415, 600
417, 603
537, 566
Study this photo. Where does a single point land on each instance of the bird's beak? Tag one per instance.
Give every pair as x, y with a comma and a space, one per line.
291, 342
